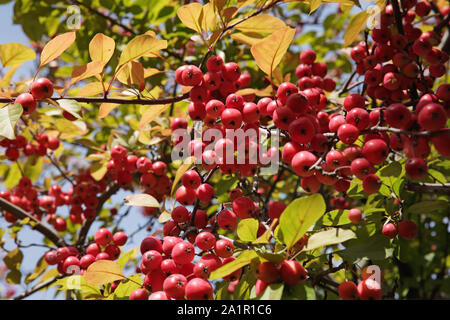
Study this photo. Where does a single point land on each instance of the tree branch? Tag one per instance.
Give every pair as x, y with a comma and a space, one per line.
101, 201
428, 187
21, 214
40, 287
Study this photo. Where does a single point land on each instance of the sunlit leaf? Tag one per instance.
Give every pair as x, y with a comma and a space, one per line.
142, 200
187, 164
247, 229
86, 71
14, 54
103, 271
298, 217
55, 47
101, 48
9, 115
106, 108
151, 114
263, 23
269, 51
329, 237
356, 24
242, 260
141, 46
190, 16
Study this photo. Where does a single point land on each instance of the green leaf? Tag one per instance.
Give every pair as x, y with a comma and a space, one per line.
242, 260
427, 206
393, 169
273, 291
40, 268
13, 177
377, 247
329, 237
335, 218
9, 115
298, 217
126, 287
127, 257
247, 229
33, 168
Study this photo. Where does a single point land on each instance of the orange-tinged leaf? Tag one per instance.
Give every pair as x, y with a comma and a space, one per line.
131, 73
151, 33
91, 89
208, 18
101, 48
269, 51
86, 71
248, 38
263, 23
102, 272
148, 72
140, 46
151, 114
106, 108
190, 16
356, 24
14, 54
55, 47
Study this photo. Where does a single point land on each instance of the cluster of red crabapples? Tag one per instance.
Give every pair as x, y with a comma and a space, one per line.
173, 268
106, 247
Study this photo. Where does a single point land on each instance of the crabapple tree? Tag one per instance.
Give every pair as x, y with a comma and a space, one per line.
271, 150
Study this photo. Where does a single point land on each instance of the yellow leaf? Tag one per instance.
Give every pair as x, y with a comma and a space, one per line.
98, 170
313, 5
248, 38
91, 89
14, 54
140, 46
151, 33
131, 73
356, 24
208, 17
187, 164
151, 113
88, 70
164, 217
101, 48
261, 24
265, 237
190, 16
55, 47
148, 72
106, 108
269, 51
102, 272
141, 200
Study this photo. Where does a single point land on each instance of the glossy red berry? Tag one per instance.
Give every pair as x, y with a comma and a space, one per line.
41, 88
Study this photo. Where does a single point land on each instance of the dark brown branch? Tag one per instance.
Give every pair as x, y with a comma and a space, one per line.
397, 16
437, 188
117, 100
21, 214
39, 287
101, 201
